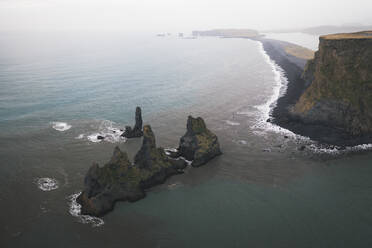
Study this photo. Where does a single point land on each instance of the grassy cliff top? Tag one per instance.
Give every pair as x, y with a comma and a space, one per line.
357, 35
299, 51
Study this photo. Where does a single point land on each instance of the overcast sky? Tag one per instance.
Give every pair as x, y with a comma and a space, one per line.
180, 15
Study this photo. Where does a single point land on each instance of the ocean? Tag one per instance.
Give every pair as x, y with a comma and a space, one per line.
59, 90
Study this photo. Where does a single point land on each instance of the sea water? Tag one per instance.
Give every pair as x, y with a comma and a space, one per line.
59, 91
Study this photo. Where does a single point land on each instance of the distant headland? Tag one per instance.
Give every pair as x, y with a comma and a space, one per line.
228, 33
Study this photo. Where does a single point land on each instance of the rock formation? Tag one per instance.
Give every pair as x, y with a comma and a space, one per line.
136, 131
199, 144
120, 180
340, 91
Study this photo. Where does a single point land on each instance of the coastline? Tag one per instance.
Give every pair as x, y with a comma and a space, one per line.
280, 115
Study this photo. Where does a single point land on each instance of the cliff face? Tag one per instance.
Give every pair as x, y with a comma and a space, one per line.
340, 79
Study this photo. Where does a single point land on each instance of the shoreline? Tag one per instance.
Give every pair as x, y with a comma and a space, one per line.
293, 67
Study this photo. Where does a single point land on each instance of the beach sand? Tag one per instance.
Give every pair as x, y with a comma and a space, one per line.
293, 68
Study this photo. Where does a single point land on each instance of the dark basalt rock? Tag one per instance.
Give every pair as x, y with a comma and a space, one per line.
99, 137
119, 180
136, 131
302, 148
198, 144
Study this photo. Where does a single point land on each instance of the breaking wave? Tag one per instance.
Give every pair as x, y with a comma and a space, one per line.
75, 210
60, 126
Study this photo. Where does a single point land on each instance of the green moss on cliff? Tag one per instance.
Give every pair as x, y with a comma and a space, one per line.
341, 85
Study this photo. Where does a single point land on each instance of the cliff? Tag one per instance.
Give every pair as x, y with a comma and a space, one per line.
340, 79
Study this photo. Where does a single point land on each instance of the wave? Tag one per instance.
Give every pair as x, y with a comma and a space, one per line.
169, 150
75, 210
263, 126
107, 131
337, 150
60, 126
47, 184
265, 109
232, 123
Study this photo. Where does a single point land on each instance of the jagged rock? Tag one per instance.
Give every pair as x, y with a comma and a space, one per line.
302, 148
153, 161
116, 180
136, 131
119, 180
198, 144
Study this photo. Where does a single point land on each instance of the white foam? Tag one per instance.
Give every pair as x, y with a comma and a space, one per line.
94, 137
80, 136
75, 210
246, 113
262, 126
174, 185
232, 123
188, 162
60, 126
336, 150
46, 183
109, 132
168, 150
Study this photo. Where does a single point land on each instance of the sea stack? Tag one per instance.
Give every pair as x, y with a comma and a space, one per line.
199, 144
340, 91
120, 180
136, 131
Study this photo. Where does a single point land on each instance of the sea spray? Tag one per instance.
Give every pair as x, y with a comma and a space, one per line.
108, 130
46, 183
279, 88
75, 210
60, 126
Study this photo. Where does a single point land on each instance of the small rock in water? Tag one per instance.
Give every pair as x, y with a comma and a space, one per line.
286, 137
301, 148
199, 144
268, 120
136, 131
100, 137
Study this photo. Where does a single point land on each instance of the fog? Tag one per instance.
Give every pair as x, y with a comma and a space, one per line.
179, 15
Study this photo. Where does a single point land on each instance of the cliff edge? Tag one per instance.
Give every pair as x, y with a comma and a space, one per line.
340, 91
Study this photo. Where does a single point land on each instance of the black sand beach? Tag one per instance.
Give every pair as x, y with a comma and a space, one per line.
293, 68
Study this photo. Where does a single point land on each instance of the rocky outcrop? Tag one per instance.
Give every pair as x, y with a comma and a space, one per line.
136, 131
340, 91
120, 180
199, 144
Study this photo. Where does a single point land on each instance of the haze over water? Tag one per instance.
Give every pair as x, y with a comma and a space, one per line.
59, 90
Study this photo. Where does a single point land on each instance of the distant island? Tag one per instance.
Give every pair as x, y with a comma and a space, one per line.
228, 33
